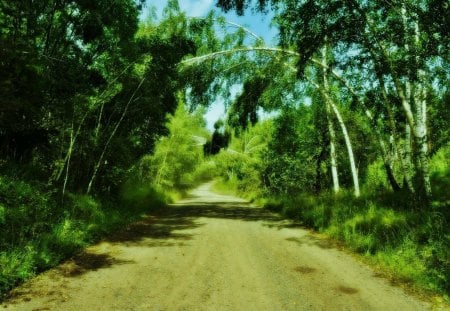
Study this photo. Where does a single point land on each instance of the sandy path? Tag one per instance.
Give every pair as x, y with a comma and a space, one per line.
211, 252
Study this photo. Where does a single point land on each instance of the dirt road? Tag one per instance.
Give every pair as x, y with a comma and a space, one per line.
212, 252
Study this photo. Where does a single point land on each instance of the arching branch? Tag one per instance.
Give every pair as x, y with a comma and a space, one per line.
232, 24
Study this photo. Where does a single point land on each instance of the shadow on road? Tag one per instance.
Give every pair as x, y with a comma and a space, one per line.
310, 240
172, 225
222, 210
88, 261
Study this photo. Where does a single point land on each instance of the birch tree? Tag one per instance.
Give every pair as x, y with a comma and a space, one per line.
406, 40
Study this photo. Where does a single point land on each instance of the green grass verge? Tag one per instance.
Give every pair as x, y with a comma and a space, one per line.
37, 232
412, 245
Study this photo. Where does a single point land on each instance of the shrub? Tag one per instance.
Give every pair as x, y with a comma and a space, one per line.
15, 267
375, 229
25, 211
440, 174
36, 232
376, 176
138, 197
84, 207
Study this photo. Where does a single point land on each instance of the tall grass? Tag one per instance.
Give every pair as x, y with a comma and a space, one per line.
37, 231
414, 245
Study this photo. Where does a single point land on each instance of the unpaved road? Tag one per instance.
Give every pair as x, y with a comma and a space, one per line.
212, 252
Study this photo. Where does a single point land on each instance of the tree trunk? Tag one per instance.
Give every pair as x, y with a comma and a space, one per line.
422, 177
407, 160
393, 139
420, 103
349, 148
330, 103
333, 158
69, 156
415, 121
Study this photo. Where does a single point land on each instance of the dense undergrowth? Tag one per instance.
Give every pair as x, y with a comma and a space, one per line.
38, 230
409, 242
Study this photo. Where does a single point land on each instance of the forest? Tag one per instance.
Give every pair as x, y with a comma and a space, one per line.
344, 125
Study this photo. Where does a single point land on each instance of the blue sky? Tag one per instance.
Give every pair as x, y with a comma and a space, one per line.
256, 22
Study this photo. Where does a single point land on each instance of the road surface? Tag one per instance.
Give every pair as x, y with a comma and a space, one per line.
212, 252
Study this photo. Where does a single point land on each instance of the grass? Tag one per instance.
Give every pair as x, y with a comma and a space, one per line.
37, 232
413, 245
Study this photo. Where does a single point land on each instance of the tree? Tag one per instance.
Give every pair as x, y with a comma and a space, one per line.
219, 139
178, 155
403, 61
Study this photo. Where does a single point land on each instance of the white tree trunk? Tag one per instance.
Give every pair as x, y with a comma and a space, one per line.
417, 120
420, 101
69, 155
330, 103
421, 141
349, 148
333, 157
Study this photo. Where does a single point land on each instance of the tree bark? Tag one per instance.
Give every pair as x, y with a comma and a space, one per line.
349, 147
330, 103
333, 158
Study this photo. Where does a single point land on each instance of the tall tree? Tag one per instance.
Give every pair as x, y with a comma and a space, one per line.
407, 57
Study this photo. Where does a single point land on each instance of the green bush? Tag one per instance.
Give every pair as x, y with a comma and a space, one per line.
68, 236
239, 172
440, 174
376, 176
139, 197
25, 211
205, 171
15, 267
375, 229
85, 207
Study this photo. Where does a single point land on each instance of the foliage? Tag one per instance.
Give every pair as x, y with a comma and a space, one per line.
177, 155
294, 159
240, 165
376, 176
25, 211
440, 173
